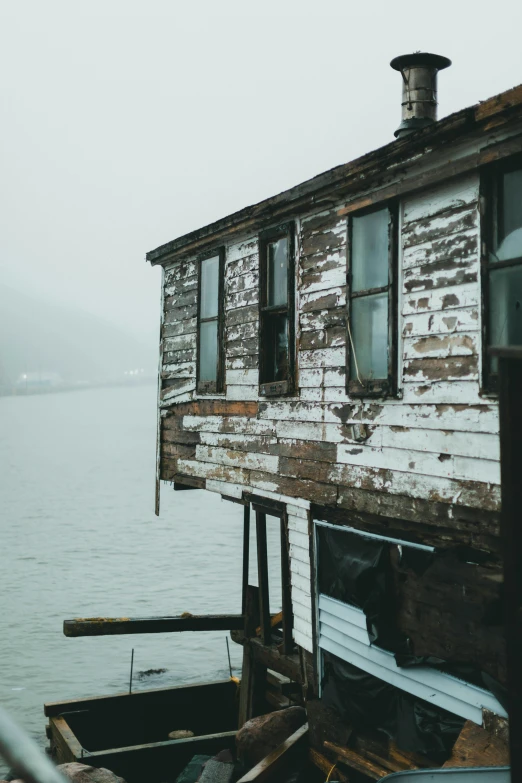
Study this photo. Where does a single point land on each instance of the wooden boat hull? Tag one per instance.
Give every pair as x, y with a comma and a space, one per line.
128, 733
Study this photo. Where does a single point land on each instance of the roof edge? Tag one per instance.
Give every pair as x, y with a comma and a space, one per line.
305, 193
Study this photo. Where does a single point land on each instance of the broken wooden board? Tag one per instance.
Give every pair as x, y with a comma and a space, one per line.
476, 747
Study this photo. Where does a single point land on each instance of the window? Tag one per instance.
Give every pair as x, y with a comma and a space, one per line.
502, 261
276, 297
371, 302
210, 324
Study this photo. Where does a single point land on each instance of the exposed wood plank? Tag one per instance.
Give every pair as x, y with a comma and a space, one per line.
262, 575
326, 766
109, 626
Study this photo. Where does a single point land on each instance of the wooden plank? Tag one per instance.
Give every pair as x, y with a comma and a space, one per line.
476, 747
167, 758
499, 103
326, 766
246, 556
357, 762
215, 692
108, 626
262, 573
236, 458
271, 658
510, 384
451, 194
454, 220
272, 766
64, 740
441, 299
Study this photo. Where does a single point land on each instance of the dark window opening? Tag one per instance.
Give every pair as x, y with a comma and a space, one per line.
371, 303
210, 324
276, 282
502, 261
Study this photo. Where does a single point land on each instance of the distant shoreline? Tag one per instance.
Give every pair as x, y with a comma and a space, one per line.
13, 391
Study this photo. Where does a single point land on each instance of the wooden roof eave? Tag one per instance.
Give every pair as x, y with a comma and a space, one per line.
331, 186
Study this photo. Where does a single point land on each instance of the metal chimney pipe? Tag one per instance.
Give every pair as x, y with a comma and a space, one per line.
419, 89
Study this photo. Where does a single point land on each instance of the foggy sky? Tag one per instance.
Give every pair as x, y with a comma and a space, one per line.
126, 123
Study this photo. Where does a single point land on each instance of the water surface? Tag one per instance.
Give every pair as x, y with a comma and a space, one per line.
80, 538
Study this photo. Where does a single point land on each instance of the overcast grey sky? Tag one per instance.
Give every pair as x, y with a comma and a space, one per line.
126, 123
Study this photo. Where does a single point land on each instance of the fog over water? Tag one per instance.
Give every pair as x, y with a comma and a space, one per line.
127, 123
80, 538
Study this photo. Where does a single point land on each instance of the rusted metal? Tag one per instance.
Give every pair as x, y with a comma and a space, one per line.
419, 89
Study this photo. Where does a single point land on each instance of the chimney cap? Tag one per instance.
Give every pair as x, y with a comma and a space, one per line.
420, 58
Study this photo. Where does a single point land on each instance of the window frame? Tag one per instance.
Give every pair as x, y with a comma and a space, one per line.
217, 386
490, 209
380, 387
276, 388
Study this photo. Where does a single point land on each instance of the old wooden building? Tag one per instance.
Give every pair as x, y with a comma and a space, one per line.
324, 359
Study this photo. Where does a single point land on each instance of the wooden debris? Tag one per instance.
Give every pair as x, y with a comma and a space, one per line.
271, 766
326, 766
476, 747
357, 762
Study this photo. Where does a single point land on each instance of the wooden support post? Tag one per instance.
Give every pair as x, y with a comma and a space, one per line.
510, 391
246, 555
253, 675
262, 570
286, 589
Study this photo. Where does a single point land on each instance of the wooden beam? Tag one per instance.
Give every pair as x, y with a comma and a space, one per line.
246, 555
109, 626
289, 665
275, 620
510, 387
357, 762
187, 482
262, 571
326, 766
270, 768
253, 673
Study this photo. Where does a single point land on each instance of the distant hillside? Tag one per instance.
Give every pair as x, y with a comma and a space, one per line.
37, 336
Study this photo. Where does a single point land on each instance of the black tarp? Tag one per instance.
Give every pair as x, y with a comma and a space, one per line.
357, 571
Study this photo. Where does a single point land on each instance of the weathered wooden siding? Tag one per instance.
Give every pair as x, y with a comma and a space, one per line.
425, 463
300, 573
436, 442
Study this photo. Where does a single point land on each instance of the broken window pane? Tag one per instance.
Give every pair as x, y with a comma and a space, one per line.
209, 287
277, 360
277, 270
369, 325
505, 309
208, 350
369, 255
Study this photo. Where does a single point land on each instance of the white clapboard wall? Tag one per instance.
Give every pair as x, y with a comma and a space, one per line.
437, 440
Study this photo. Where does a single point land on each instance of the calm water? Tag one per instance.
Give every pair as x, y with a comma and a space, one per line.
80, 538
